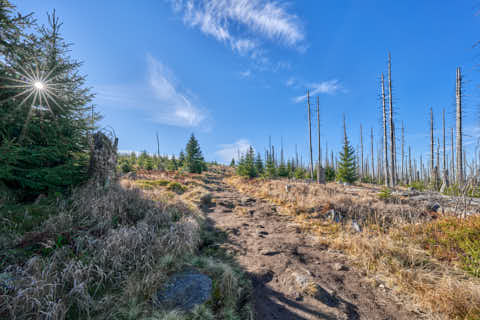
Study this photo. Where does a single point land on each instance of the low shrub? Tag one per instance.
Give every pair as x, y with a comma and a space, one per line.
176, 187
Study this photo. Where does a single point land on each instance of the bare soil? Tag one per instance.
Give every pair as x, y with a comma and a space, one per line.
294, 276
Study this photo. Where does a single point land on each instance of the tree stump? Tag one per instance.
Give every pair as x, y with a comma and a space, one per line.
103, 160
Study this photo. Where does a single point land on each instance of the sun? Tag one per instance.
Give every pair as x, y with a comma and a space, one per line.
39, 85
36, 87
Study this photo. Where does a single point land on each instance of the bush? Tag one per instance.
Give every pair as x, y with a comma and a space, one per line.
176, 187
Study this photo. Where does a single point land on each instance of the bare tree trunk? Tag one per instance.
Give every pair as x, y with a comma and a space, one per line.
320, 173
361, 153
444, 164
326, 155
310, 135
385, 141
452, 162
403, 153
392, 126
410, 177
459, 178
432, 152
371, 150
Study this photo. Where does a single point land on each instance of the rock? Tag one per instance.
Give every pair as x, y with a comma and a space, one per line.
356, 226
248, 201
301, 280
263, 233
184, 291
334, 216
433, 206
339, 267
287, 188
227, 204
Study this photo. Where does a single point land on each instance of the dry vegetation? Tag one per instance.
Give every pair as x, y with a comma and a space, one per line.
105, 253
430, 260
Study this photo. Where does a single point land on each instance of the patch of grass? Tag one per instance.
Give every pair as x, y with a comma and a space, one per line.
417, 185
452, 239
105, 253
385, 194
176, 187
151, 184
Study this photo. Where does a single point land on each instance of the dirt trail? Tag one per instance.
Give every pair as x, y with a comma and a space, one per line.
294, 277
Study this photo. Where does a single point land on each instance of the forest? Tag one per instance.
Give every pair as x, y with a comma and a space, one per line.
374, 230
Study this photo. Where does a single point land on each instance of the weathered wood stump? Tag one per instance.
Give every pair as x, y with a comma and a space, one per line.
103, 160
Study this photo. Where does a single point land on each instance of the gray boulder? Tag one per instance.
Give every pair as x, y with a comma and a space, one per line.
184, 291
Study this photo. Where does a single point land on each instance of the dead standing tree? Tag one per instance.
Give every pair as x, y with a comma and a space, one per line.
372, 155
320, 171
385, 141
444, 162
392, 126
459, 178
310, 135
432, 152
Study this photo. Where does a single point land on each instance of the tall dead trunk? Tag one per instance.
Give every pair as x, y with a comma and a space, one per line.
392, 126
444, 156
403, 153
385, 141
310, 135
432, 152
362, 172
372, 155
459, 177
320, 172
410, 176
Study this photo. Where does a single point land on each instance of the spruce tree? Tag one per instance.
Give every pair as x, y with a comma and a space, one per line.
347, 171
181, 158
172, 164
259, 165
270, 168
232, 163
43, 143
194, 162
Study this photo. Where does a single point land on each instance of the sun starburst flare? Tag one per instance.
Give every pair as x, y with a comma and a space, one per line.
36, 87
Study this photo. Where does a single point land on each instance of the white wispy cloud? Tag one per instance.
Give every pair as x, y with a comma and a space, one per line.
242, 24
325, 87
176, 106
246, 74
162, 99
229, 151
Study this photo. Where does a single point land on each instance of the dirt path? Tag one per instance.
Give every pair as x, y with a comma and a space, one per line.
293, 276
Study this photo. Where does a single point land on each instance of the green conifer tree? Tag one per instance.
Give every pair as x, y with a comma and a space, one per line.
181, 159
43, 143
270, 169
194, 162
173, 164
232, 163
259, 165
347, 170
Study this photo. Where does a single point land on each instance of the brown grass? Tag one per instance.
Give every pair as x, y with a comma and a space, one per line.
401, 246
107, 252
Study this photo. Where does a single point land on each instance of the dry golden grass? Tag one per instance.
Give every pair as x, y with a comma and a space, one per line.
106, 252
400, 246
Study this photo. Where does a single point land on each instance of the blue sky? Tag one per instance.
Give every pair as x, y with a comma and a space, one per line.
234, 72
